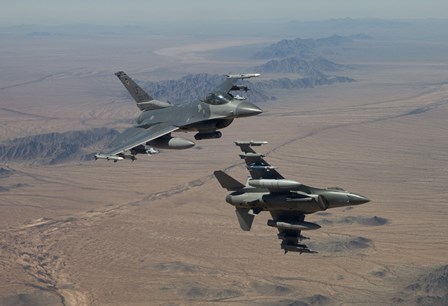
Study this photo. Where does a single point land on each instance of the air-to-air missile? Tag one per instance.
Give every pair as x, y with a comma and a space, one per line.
288, 201
159, 119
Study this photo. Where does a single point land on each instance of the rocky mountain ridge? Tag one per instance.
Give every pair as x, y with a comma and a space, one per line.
54, 148
300, 47
196, 86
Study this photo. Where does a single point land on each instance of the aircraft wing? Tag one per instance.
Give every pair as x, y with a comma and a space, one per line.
135, 136
255, 163
291, 238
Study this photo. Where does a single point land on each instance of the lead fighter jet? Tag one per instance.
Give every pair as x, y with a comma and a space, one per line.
288, 201
159, 119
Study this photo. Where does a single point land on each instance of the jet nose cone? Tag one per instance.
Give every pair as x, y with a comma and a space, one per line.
357, 199
246, 109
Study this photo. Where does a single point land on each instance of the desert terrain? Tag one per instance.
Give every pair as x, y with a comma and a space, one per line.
158, 231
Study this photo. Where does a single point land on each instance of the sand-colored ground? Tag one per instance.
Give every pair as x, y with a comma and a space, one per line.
158, 231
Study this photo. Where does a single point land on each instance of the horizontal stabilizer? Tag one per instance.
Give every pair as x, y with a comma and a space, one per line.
244, 218
227, 181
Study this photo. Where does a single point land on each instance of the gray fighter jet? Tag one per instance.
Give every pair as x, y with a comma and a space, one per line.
159, 119
288, 201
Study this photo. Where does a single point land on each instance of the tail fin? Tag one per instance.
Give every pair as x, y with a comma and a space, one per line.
244, 218
227, 181
144, 101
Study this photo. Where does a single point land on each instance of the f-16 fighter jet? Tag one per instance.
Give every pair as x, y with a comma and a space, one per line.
159, 119
287, 201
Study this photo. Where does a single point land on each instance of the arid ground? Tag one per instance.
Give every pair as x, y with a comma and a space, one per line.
157, 231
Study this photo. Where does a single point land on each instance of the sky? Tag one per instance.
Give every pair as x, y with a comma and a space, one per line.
141, 12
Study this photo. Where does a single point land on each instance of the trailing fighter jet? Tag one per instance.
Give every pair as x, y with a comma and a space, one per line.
159, 119
288, 201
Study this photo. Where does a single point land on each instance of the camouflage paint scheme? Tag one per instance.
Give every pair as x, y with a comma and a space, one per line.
159, 119
288, 201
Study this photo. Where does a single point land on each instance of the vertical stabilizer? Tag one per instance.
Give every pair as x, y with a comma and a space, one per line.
136, 91
144, 101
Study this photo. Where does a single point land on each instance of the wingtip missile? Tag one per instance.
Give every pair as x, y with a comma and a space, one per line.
115, 158
250, 143
243, 75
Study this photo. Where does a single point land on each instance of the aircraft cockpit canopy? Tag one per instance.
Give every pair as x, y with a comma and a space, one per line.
216, 99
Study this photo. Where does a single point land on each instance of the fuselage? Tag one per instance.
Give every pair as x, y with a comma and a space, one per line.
199, 115
304, 199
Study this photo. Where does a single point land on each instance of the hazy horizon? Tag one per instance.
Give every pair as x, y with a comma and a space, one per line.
139, 12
